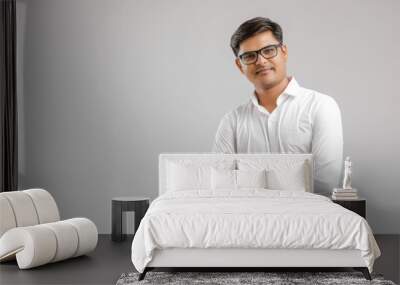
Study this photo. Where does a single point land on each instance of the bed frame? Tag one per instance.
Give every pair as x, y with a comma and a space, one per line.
248, 259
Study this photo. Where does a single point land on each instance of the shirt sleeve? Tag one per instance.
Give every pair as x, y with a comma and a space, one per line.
225, 141
327, 146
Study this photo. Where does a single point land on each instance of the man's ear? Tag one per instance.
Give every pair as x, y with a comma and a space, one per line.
239, 65
285, 51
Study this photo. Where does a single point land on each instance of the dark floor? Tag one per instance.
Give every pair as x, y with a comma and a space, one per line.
111, 259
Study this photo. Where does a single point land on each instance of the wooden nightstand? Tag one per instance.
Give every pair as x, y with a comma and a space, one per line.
358, 206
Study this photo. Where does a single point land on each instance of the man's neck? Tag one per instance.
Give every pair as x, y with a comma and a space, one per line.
267, 97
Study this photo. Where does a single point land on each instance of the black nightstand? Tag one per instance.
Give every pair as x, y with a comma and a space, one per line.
122, 204
358, 206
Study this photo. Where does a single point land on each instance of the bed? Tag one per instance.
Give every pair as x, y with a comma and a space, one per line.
245, 211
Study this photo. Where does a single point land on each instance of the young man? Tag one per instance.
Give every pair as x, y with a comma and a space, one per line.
281, 116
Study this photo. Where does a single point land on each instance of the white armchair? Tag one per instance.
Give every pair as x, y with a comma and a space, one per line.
31, 230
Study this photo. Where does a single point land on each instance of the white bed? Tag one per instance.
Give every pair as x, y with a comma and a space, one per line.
288, 226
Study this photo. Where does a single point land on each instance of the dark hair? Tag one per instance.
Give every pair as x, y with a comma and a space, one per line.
253, 27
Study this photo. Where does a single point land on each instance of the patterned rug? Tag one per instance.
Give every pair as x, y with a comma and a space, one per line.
270, 278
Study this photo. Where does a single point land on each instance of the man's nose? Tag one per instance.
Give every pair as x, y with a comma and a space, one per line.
260, 59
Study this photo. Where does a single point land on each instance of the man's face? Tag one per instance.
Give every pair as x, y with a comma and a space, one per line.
264, 73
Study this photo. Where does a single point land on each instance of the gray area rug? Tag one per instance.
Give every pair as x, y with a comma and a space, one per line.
275, 278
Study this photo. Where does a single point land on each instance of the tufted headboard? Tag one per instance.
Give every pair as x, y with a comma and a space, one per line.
271, 160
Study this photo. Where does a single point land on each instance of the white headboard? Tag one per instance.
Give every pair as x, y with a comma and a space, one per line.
164, 158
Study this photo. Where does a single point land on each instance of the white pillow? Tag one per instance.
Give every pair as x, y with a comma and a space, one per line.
281, 174
193, 173
287, 179
251, 178
184, 177
223, 179
237, 179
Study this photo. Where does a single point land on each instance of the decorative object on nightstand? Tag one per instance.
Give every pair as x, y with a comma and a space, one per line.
123, 204
347, 196
346, 192
347, 173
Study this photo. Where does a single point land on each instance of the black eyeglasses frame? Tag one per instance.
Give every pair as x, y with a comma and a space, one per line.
258, 52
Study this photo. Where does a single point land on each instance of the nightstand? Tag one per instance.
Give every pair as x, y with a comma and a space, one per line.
122, 204
358, 206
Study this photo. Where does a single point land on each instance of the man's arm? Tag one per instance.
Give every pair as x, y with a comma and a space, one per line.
225, 138
327, 146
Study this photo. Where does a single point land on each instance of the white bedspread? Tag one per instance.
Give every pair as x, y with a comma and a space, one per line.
250, 218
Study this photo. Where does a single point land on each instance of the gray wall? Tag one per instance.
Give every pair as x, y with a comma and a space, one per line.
105, 86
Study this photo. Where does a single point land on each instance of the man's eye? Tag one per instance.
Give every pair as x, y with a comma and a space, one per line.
248, 56
268, 51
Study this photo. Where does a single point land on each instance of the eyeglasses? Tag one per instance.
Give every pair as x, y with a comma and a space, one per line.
266, 52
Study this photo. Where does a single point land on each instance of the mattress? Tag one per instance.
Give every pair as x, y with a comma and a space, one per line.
250, 218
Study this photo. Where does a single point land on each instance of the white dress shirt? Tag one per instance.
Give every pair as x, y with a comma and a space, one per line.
304, 121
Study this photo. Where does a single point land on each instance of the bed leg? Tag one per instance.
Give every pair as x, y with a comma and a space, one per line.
142, 275
364, 271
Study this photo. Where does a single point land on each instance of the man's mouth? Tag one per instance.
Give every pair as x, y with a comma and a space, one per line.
261, 70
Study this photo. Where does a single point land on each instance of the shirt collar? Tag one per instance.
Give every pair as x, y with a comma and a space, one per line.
292, 89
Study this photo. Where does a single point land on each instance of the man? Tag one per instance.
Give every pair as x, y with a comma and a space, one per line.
281, 116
